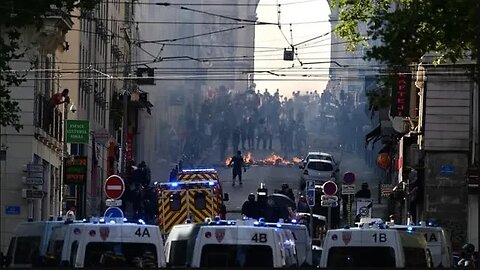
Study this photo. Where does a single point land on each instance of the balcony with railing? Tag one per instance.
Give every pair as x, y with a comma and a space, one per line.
49, 120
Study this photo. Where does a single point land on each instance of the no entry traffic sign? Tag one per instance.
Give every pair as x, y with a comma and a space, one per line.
349, 178
114, 187
330, 188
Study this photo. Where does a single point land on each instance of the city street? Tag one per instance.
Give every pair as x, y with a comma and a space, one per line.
274, 176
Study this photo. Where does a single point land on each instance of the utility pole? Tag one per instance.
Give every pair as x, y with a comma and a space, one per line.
477, 76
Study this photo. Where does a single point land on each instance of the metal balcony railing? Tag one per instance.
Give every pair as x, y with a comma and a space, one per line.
48, 118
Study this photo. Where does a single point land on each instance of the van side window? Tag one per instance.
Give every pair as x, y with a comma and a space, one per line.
73, 253
54, 250
114, 254
27, 250
178, 253
200, 201
175, 202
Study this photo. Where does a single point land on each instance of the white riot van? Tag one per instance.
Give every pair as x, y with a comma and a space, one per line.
303, 241
374, 246
437, 241
228, 244
180, 243
108, 244
29, 244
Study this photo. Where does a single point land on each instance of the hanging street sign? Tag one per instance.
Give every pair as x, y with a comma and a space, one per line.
348, 189
112, 202
32, 194
34, 174
101, 136
329, 204
364, 207
311, 193
78, 131
329, 198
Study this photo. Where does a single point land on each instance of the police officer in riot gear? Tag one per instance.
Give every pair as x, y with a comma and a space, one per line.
250, 208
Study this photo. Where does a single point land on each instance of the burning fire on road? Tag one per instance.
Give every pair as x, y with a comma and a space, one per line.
271, 160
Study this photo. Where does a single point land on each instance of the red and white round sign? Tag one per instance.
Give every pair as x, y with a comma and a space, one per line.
114, 187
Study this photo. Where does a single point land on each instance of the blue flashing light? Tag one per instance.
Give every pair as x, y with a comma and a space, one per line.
211, 183
112, 222
102, 220
430, 223
125, 219
140, 221
256, 223
279, 225
174, 184
294, 221
409, 228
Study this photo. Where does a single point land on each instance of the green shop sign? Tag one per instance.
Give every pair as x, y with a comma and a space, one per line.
78, 131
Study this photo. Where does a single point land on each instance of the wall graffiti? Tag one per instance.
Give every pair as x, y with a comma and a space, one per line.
456, 231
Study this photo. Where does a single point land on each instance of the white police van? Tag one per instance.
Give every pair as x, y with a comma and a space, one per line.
179, 244
303, 241
223, 243
437, 241
29, 244
374, 246
107, 243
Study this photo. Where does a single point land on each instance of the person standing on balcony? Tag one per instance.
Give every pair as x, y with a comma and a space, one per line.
60, 98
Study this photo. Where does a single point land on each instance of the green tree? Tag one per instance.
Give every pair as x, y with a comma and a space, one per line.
409, 29
16, 15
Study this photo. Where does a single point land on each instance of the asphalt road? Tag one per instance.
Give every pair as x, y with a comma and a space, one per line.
275, 176
272, 176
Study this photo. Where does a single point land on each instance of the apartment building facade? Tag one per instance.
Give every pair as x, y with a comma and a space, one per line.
87, 53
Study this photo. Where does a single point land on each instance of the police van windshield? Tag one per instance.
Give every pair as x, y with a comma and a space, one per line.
361, 257
27, 250
111, 254
236, 256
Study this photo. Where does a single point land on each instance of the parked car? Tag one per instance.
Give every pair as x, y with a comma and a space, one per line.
320, 156
319, 171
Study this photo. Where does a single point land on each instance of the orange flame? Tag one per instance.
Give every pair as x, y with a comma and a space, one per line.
227, 160
272, 160
296, 160
248, 158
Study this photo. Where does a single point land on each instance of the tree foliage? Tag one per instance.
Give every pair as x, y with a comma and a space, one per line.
16, 15
407, 30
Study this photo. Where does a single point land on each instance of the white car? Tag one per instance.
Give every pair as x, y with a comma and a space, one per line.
320, 156
319, 171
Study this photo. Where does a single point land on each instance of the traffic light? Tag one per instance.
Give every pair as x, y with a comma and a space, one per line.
148, 80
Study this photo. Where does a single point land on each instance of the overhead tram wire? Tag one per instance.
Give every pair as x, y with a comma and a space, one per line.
188, 37
216, 4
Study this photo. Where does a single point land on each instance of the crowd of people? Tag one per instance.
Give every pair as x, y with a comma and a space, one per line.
249, 120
